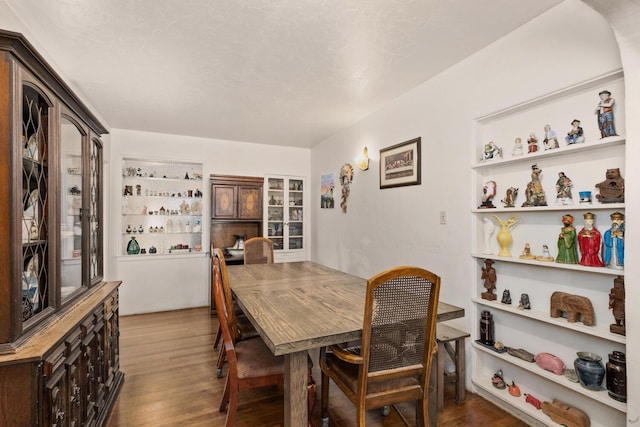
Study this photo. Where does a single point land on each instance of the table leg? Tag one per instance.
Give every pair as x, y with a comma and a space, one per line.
295, 389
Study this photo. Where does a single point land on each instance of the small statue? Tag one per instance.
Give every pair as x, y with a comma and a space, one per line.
526, 252
517, 149
605, 114
576, 134
506, 297
546, 256
563, 190
498, 380
612, 188
525, 304
550, 138
532, 143
510, 198
138, 190
590, 241
128, 190
616, 302
535, 193
613, 248
488, 193
514, 390
488, 228
567, 250
489, 277
492, 151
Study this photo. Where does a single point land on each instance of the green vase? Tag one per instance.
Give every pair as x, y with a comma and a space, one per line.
133, 248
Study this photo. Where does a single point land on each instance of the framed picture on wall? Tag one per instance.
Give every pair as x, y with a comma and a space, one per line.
400, 164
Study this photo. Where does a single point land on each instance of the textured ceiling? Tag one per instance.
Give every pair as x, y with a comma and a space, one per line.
283, 72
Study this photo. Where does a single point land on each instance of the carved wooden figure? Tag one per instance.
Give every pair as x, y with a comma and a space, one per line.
565, 414
573, 306
489, 277
616, 302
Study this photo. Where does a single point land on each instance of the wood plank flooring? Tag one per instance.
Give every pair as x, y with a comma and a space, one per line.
169, 365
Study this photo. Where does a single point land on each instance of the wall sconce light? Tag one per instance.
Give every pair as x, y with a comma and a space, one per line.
362, 161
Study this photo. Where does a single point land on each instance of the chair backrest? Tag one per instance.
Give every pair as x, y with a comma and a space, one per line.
399, 330
218, 258
222, 310
258, 250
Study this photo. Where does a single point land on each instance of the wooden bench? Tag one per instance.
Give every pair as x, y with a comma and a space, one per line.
445, 335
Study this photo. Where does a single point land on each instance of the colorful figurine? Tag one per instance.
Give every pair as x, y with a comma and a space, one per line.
550, 138
567, 250
492, 151
488, 193
563, 190
526, 252
534, 193
517, 148
605, 114
532, 143
510, 198
546, 256
590, 241
614, 243
576, 134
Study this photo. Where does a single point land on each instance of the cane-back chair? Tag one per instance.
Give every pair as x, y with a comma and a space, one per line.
251, 363
392, 363
240, 327
258, 250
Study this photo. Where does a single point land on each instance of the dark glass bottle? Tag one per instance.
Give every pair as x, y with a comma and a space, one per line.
133, 248
617, 376
486, 328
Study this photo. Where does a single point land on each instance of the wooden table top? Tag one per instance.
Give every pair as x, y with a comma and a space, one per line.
298, 306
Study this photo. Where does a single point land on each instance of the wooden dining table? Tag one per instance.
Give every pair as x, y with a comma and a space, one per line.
299, 306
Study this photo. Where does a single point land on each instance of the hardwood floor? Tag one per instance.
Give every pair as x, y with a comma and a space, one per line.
169, 365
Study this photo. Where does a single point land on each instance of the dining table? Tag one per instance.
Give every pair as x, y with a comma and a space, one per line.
299, 306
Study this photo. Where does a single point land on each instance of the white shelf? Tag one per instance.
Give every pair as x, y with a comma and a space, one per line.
600, 331
611, 141
551, 264
601, 396
553, 208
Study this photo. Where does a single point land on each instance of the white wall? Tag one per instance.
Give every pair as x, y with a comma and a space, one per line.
170, 283
569, 44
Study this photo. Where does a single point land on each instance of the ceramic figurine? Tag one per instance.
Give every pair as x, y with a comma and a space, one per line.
489, 277
492, 151
605, 114
498, 381
128, 190
613, 247
506, 297
517, 149
488, 193
488, 228
574, 307
534, 193
525, 303
612, 188
616, 303
504, 235
576, 134
546, 256
526, 252
590, 241
514, 390
532, 143
550, 138
532, 400
563, 190
140, 229
567, 250
510, 197
138, 190
551, 363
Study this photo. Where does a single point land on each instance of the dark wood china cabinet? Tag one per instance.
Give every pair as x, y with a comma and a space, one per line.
59, 361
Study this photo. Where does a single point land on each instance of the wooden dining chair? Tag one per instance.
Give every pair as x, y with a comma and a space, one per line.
251, 363
392, 362
258, 250
239, 325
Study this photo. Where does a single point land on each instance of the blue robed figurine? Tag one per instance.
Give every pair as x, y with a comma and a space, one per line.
613, 247
605, 114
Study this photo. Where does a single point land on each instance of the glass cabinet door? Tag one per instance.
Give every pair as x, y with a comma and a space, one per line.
275, 212
95, 211
295, 214
36, 286
284, 225
71, 194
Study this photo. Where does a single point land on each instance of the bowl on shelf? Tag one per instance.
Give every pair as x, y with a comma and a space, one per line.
235, 252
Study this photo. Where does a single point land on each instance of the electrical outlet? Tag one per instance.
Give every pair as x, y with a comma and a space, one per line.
443, 217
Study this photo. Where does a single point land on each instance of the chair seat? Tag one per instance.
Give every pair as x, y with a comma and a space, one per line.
348, 373
256, 360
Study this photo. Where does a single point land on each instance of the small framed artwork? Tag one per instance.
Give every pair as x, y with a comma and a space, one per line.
400, 164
